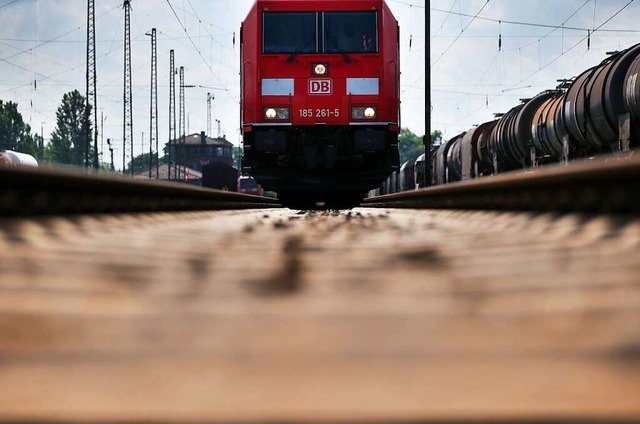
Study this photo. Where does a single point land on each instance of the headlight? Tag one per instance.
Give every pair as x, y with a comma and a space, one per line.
369, 113
320, 68
281, 113
363, 112
270, 113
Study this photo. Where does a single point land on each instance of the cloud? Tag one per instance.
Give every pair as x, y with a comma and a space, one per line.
473, 79
48, 37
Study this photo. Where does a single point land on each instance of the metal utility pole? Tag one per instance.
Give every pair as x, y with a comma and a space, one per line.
427, 104
41, 143
153, 104
219, 128
102, 134
209, 98
127, 127
113, 168
181, 129
172, 109
91, 111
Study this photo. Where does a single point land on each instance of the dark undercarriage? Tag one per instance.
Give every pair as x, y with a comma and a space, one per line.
320, 166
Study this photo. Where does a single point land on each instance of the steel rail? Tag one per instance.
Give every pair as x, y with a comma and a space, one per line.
48, 191
607, 185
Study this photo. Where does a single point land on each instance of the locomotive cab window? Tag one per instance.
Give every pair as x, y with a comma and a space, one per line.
289, 32
350, 32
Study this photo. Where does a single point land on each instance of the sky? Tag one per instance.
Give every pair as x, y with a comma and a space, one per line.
542, 41
43, 50
43, 56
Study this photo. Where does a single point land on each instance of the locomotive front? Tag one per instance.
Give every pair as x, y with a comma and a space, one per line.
320, 90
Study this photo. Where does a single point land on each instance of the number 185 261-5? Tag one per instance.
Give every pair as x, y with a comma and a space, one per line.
319, 113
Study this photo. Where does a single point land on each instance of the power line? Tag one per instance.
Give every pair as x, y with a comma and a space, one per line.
556, 28
194, 45
556, 59
495, 58
531, 24
54, 39
408, 4
8, 4
463, 29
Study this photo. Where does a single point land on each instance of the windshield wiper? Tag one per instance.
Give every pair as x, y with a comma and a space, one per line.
341, 50
301, 47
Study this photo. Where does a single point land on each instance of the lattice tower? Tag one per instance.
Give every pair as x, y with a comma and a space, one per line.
182, 123
127, 127
172, 109
91, 111
209, 98
153, 104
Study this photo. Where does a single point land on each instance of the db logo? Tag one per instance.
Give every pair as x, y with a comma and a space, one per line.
321, 86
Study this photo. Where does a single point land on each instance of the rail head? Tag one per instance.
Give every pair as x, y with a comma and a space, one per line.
603, 185
50, 191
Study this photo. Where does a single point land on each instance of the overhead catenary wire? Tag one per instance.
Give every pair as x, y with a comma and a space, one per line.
9, 4
406, 3
463, 29
531, 24
540, 65
501, 94
196, 47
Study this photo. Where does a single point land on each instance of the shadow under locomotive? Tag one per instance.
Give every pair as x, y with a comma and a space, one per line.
326, 166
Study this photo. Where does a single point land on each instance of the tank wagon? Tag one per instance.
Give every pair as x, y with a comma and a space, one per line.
594, 113
12, 158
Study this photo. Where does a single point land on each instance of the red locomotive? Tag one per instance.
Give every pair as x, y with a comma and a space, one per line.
247, 184
320, 98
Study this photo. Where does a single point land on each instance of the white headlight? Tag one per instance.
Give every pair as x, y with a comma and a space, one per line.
363, 112
369, 113
270, 113
320, 69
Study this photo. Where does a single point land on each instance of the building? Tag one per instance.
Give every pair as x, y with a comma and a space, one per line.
197, 150
178, 174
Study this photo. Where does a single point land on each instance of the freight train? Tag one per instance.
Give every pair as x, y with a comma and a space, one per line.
12, 158
594, 113
320, 86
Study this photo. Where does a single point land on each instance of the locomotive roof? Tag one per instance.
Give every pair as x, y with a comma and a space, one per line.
319, 4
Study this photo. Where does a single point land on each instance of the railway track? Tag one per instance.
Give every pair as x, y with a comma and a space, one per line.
29, 191
274, 315
602, 185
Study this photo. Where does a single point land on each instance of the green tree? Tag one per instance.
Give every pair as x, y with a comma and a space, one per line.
237, 157
436, 137
30, 143
69, 140
141, 163
410, 145
14, 133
